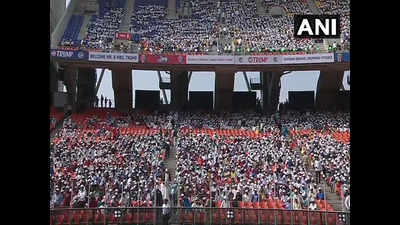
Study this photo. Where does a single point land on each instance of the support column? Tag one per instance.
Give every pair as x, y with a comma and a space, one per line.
86, 83
70, 76
328, 87
224, 82
171, 13
270, 90
179, 89
122, 85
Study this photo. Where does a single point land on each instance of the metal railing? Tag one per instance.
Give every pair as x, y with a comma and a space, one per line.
70, 216
345, 48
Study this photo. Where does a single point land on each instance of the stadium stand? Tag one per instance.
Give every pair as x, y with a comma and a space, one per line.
233, 24
96, 161
102, 28
55, 117
70, 37
339, 7
96, 154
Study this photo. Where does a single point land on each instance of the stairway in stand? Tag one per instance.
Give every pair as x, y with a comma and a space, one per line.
332, 198
171, 165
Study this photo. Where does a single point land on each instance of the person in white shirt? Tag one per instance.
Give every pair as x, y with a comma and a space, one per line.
164, 191
165, 211
313, 205
347, 203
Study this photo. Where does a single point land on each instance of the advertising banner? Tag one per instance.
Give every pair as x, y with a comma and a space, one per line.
163, 59
69, 54
210, 59
342, 57
113, 57
123, 36
309, 58
258, 59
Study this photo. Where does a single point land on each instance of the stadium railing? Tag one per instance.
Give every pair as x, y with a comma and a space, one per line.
312, 51
178, 215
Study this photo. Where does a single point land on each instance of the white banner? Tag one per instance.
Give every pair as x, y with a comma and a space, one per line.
308, 58
113, 57
258, 59
209, 59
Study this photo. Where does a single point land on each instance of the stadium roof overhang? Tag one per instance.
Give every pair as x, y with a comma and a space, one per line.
337, 66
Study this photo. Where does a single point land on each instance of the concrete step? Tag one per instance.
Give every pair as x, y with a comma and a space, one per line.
332, 198
126, 20
313, 7
260, 8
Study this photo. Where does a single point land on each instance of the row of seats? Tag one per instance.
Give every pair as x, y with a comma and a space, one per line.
89, 216
226, 132
259, 216
71, 33
269, 204
323, 205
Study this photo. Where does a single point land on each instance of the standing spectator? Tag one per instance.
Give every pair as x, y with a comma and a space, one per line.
347, 201
313, 205
320, 195
97, 102
105, 102
102, 101
318, 169
109, 103
165, 212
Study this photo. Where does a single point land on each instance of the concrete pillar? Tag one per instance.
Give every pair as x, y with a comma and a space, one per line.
224, 82
70, 77
179, 89
53, 78
270, 90
171, 12
328, 86
122, 85
86, 83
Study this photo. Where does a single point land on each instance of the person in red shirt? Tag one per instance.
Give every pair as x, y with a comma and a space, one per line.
67, 198
92, 202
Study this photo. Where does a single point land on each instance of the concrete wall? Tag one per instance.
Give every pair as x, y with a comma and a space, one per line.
179, 89
171, 10
86, 86
224, 83
328, 86
62, 24
57, 8
122, 85
70, 77
53, 77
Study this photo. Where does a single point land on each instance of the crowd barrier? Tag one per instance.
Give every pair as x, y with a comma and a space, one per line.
70, 216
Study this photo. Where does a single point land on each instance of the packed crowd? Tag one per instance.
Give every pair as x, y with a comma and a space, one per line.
221, 27
162, 35
234, 24
95, 164
296, 7
102, 28
273, 166
338, 7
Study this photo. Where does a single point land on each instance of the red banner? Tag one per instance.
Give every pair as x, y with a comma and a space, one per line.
163, 59
123, 36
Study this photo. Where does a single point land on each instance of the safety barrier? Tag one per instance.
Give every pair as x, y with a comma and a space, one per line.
69, 216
